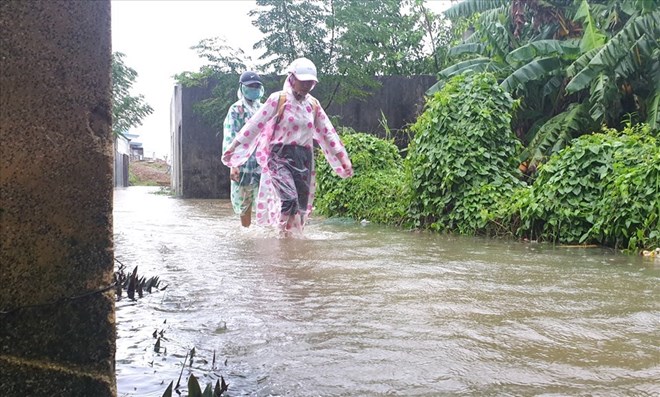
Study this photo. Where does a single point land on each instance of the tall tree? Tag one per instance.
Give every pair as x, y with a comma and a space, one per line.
224, 64
291, 29
380, 37
128, 110
351, 42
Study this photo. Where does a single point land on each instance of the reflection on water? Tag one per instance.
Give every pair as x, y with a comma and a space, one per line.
367, 311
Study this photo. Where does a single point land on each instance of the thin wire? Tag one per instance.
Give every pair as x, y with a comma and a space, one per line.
62, 300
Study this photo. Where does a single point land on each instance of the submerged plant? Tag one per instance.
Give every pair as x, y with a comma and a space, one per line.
132, 283
194, 388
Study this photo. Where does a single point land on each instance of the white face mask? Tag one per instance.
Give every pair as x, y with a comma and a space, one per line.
251, 93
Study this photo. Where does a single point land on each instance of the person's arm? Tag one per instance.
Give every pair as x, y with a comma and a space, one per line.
332, 146
230, 128
245, 141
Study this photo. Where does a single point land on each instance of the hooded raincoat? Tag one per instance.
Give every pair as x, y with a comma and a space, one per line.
243, 192
284, 150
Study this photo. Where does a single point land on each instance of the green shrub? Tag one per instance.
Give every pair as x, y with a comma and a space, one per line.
377, 191
462, 160
603, 189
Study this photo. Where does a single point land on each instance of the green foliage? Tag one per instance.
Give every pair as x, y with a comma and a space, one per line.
637, 35
468, 7
377, 192
603, 189
462, 160
555, 133
128, 110
592, 36
352, 42
378, 37
600, 57
221, 73
285, 26
213, 109
133, 179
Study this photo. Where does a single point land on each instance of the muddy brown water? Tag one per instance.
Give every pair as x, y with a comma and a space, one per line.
367, 310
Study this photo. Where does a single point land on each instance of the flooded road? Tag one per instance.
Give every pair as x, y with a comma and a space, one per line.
358, 310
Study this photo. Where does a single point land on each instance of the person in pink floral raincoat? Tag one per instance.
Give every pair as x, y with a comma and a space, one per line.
282, 133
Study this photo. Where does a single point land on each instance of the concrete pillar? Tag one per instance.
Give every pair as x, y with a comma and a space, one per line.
57, 321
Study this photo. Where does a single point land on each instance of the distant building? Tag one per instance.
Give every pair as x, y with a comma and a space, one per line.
136, 149
122, 153
127, 149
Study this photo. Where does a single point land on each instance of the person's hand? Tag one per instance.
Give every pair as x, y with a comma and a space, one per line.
234, 174
346, 170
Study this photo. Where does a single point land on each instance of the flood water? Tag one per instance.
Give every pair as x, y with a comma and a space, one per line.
366, 310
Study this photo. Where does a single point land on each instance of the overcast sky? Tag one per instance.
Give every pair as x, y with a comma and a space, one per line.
156, 37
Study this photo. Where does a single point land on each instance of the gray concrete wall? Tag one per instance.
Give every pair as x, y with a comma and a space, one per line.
175, 143
198, 147
57, 321
121, 170
400, 99
202, 173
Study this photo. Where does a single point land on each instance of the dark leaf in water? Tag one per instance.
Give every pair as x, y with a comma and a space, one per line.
152, 282
193, 387
132, 284
223, 386
157, 346
121, 265
125, 280
168, 391
213, 363
155, 335
208, 391
183, 365
192, 355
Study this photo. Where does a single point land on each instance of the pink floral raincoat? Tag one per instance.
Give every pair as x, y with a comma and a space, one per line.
302, 123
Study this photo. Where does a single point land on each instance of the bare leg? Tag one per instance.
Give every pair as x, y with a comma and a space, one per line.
246, 218
285, 225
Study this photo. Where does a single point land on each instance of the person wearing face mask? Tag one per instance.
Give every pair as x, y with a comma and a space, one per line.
282, 134
244, 178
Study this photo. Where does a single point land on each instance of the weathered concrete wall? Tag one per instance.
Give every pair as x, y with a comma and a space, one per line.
401, 100
175, 142
202, 173
198, 147
57, 323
